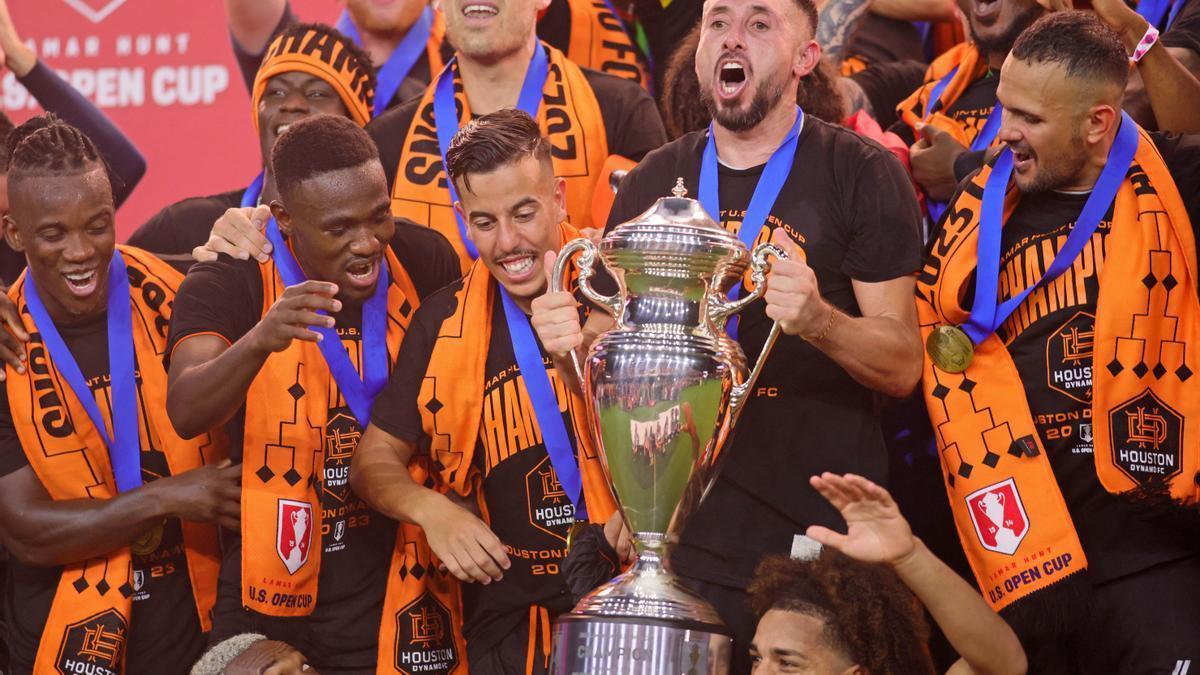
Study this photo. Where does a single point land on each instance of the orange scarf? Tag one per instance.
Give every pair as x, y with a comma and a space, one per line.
599, 42
91, 612
455, 377
1010, 514
287, 411
569, 116
971, 66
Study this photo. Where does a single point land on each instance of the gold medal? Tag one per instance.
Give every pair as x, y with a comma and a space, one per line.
573, 533
148, 543
950, 349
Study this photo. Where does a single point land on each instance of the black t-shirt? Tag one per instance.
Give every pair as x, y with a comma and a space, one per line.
226, 297
526, 506
879, 39
1050, 340
631, 122
1185, 32
850, 206
164, 632
173, 232
413, 84
887, 84
971, 109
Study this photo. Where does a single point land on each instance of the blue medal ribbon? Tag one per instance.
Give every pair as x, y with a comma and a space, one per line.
767, 190
359, 392
124, 451
398, 65
983, 140
253, 192
445, 116
545, 403
986, 314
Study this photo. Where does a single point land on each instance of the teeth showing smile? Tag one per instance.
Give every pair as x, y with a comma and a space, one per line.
281, 128
361, 270
479, 10
80, 278
518, 266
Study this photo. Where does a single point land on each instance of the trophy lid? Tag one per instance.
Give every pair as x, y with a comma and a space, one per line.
673, 223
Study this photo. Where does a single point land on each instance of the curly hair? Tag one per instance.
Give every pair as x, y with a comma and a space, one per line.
869, 614
683, 112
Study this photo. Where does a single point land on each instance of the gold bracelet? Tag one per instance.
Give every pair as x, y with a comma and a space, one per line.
828, 326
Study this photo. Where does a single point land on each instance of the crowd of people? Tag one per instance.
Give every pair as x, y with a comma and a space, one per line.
329, 421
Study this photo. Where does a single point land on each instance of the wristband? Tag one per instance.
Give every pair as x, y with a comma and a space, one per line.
1144, 44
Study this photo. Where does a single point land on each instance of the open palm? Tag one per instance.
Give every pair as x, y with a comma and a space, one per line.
877, 532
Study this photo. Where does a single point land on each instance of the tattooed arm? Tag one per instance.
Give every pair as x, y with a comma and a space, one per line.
856, 98
835, 24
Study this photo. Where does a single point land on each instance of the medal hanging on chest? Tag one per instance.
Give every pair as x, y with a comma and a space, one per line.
947, 345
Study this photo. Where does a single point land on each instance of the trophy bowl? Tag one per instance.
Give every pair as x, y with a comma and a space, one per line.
663, 390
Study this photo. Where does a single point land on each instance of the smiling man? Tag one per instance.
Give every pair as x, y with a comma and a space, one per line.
106, 512
310, 69
845, 211
952, 112
311, 564
475, 397
1066, 287
500, 62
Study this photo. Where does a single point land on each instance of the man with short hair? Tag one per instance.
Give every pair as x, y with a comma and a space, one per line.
475, 399
310, 69
1059, 307
588, 116
107, 513
844, 210
290, 353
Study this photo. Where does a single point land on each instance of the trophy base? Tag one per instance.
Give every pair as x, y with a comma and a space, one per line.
588, 645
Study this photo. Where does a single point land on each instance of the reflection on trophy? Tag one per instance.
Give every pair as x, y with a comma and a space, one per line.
664, 387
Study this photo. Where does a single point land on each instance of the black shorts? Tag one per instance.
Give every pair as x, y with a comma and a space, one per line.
1146, 623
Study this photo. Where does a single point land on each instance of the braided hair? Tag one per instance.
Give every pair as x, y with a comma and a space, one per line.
45, 147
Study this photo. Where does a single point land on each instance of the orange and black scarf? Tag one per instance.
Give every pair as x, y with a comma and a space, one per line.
1008, 509
570, 118
91, 613
599, 41
451, 405
913, 110
285, 444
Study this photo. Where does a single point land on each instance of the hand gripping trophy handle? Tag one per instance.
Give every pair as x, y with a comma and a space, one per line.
586, 264
723, 309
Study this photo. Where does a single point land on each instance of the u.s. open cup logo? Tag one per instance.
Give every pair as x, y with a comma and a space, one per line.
999, 517
293, 534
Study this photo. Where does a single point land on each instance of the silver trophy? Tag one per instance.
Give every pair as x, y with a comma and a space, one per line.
663, 390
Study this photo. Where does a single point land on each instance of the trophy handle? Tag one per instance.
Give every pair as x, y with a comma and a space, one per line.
758, 274
587, 260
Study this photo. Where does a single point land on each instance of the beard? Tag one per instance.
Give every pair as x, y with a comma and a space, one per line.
1062, 173
740, 119
1003, 43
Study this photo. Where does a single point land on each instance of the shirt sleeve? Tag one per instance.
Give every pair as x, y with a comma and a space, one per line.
221, 298
1185, 32
631, 119
126, 166
12, 455
884, 220
395, 410
248, 62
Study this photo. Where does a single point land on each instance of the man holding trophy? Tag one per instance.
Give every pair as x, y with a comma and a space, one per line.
474, 439
845, 214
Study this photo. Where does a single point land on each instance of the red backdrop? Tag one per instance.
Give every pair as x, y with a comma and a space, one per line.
164, 72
